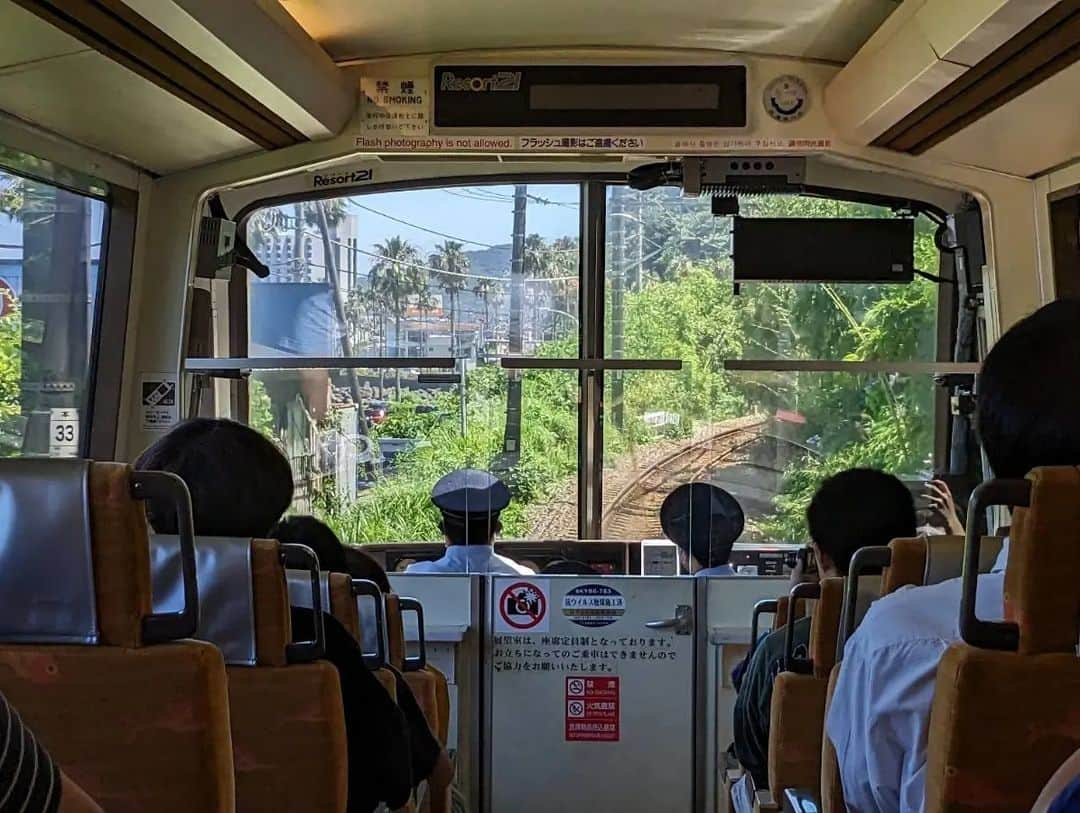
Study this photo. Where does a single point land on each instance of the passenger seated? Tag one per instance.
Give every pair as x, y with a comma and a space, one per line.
29, 780
240, 485
704, 521
427, 754
1026, 411
853, 509
470, 502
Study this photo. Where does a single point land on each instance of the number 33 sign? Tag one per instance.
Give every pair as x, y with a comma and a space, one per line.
64, 432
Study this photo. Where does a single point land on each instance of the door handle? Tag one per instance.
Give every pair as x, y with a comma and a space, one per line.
682, 623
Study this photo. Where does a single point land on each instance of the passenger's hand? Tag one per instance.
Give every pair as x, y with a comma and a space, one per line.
799, 574
939, 495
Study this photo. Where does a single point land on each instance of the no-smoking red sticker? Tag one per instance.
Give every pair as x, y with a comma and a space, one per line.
592, 709
523, 607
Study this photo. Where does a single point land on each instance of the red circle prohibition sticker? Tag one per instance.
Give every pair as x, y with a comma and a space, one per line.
522, 605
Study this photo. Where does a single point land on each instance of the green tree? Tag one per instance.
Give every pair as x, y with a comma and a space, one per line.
487, 291
395, 277
451, 265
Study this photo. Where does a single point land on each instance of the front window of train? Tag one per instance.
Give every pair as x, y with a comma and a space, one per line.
433, 273
769, 436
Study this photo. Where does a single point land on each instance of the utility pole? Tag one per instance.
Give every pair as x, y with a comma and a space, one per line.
618, 292
639, 220
334, 278
512, 434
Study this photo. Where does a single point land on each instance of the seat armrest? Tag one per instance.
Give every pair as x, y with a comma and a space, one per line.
764, 802
800, 800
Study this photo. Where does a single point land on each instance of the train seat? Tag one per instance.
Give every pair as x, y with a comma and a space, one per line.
1004, 715
907, 564
798, 700
136, 717
287, 714
945, 557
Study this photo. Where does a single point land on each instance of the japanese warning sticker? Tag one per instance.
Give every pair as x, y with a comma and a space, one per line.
593, 605
592, 709
160, 405
523, 607
397, 106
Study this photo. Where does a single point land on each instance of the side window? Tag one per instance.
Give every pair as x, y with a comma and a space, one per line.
50, 250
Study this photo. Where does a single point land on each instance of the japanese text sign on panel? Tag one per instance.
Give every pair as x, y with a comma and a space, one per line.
592, 709
160, 405
394, 106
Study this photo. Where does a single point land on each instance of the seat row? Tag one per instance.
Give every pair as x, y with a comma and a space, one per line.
162, 672
981, 751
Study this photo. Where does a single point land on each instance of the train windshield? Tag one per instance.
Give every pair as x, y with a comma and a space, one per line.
464, 314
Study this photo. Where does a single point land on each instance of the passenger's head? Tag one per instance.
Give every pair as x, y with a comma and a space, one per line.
240, 482
317, 535
1028, 401
362, 565
704, 521
470, 529
854, 509
470, 502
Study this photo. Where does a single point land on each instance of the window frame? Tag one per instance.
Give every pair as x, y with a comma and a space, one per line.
592, 353
108, 324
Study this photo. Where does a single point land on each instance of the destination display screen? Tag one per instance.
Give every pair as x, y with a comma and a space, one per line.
564, 96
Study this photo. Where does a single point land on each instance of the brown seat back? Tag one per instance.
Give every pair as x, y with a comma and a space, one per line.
288, 721
945, 557
832, 791
907, 566
139, 727
798, 700
1002, 718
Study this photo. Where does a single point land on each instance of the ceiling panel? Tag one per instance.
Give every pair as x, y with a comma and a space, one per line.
816, 29
92, 100
27, 38
1033, 133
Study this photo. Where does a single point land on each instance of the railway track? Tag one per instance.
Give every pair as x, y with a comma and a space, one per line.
622, 484
634, 511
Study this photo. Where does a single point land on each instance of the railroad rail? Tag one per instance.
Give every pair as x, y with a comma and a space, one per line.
634, 511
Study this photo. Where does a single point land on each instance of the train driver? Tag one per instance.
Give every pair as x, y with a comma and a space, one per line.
704, 521
470, 502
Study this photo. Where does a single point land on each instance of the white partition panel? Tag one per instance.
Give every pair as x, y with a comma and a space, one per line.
453, 629
729, 604
590, 694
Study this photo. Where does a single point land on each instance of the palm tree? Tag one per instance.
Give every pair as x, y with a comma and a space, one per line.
451, 263
563, 269
536, 266
395, 276
485, 290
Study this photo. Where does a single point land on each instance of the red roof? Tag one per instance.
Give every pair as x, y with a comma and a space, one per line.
788, 416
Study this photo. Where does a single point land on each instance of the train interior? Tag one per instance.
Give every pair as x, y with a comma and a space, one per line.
599, 250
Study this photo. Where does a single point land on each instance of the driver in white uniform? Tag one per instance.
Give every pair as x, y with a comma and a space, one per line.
470, 501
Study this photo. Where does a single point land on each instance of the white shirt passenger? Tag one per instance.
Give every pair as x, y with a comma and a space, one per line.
718, 570
471, 559
880, 714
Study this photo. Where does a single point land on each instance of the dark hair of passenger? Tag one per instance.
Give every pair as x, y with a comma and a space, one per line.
1028, 402
240, 482
473, 529
568, 567
363, 565
317, 535
859, 508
